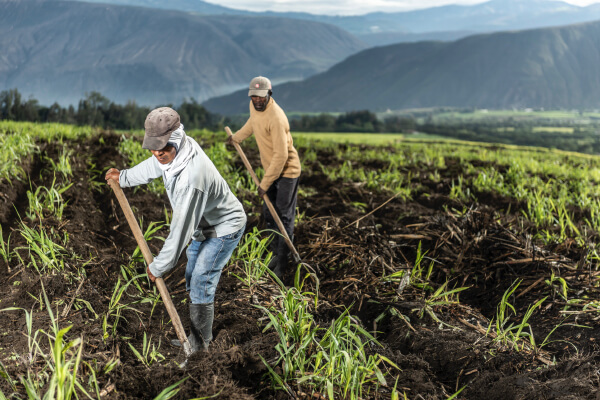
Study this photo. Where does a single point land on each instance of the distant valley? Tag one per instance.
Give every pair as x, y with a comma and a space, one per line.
550, 68
59, 50
444, 23
143, 51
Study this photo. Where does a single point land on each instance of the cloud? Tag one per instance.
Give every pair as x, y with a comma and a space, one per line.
337, 7
350, 7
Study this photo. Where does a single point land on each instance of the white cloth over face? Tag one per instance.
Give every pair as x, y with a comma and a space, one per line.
186, 149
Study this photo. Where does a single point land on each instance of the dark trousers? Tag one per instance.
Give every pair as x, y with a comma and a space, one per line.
283, 193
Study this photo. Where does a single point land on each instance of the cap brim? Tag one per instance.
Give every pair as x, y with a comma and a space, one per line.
155, 142
258, 92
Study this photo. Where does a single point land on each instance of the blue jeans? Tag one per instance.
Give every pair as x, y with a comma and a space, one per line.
206, 260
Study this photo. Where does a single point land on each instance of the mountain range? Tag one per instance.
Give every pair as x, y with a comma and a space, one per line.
142, 50
59, 50
548, 67
446, 23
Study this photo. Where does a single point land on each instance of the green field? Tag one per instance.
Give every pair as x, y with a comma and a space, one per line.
553, 129
441, 115
362, 138
428, 266
517, 115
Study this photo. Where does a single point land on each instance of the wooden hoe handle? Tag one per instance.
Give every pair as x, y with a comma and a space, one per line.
162, 288
266, 199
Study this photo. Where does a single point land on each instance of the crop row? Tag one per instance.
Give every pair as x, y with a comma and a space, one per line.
559, 190
341, 360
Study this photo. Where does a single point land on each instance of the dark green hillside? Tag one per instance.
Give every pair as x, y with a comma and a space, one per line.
550, 68
58, 51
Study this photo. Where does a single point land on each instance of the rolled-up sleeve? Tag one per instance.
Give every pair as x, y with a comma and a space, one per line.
187, 212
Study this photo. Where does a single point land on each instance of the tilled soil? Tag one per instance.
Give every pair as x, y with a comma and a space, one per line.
439, 348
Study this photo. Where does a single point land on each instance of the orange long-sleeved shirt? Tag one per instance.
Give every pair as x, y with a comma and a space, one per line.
275, 144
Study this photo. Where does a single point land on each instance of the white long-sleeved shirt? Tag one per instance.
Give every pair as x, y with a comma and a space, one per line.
203, 205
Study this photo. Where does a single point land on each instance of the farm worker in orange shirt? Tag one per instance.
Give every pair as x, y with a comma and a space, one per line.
280, 161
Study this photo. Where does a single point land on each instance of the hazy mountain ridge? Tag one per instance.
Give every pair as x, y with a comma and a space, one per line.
439, 23
550, 67
57, 51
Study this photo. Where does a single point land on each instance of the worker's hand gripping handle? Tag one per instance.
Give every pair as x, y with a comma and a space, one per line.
141, 241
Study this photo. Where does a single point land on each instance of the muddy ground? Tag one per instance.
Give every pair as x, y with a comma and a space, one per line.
481, 245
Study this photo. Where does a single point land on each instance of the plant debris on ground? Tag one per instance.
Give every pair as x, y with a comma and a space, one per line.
456, 293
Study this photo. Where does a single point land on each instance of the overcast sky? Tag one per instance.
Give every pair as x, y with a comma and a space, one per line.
349, 7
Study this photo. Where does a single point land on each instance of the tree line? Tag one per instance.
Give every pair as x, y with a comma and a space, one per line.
583, 139
354, 121
97, 110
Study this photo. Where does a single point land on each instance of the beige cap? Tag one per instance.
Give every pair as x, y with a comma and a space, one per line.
259, 86
159, 125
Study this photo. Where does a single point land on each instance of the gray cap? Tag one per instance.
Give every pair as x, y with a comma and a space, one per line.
259, 86
159, 125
